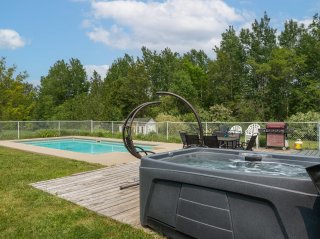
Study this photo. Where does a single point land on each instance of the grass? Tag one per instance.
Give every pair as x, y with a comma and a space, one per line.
26, 212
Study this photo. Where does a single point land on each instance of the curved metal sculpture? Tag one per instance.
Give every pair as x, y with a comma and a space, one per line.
192, 109
127, 126
126, 131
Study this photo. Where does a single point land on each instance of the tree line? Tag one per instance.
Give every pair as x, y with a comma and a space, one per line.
257, 74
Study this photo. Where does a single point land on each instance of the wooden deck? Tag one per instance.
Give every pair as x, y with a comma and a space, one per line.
99, 191
313, 153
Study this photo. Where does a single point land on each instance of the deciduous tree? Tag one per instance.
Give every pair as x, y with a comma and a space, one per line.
17, 98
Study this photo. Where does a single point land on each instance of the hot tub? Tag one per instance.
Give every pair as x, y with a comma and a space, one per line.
215, 193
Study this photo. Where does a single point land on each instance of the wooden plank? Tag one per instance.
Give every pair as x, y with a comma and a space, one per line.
72, 181
129, 216
121, 208
98, 193
115, 202
88, 189
85, 175
104, 197
316, 153
99, 190
309, 152
84, 178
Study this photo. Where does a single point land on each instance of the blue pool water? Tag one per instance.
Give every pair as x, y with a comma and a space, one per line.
83, 146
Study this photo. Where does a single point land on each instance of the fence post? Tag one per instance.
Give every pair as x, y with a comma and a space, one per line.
112, 127
167, 130
91, 126
206, 127
18, 129
59, 128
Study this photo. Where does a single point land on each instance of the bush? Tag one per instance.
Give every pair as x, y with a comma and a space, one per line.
165, 117
99, 133
45, 133
304, 131
220, 113
310, 116
8, 134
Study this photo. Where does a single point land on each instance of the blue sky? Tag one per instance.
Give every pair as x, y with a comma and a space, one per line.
34, 34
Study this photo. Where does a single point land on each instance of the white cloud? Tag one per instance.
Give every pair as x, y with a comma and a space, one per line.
87, 23
178, 24
10, 39
305, 22
115, 37
101, 70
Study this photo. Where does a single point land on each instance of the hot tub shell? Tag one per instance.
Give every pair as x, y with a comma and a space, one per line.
181, 201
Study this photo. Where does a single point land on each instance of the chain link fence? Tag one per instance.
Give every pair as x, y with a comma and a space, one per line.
308, 132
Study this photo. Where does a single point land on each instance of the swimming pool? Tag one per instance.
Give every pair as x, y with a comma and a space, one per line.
82, 145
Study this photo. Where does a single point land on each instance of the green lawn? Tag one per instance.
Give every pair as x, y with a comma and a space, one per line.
26, 212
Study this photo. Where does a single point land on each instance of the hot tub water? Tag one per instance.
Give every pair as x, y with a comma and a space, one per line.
237, 163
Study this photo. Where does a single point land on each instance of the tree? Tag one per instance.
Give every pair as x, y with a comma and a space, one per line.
17, 97
258, 44
119, 68
227, 72
77, 108
196, 64
260, 41
291, 36
182, 85
220, 113
84, 106
124, 93
160, 68
63, 82
284, 71
96, 84
308, 88
95, 101
310, 116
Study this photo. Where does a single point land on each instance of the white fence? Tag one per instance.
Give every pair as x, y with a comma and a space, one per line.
309, 132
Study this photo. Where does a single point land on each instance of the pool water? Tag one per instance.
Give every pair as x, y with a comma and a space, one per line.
237, 164
83, 146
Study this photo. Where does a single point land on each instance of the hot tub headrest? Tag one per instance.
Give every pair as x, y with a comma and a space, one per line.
314, 173
253, 158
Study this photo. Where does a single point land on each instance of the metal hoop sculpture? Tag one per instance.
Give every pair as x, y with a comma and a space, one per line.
201, 141
126, 132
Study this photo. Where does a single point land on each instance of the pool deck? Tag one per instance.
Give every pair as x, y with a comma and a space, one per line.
99, 191
305, 152
108, 159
